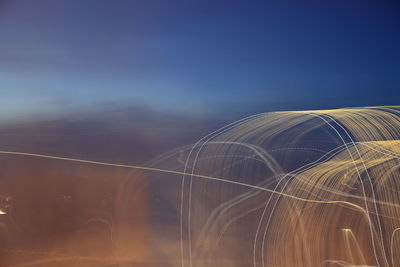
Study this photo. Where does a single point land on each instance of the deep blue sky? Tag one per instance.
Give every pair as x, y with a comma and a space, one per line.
197, 56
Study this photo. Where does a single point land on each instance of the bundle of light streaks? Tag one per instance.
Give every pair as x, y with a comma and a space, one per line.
334, 198
281, 189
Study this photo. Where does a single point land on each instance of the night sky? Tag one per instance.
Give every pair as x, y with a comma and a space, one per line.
196, 57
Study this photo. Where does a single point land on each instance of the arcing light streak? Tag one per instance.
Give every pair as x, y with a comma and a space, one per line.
282, 189
351, 205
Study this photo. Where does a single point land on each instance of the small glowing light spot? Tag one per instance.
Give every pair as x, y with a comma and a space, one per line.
2, 212
347, 229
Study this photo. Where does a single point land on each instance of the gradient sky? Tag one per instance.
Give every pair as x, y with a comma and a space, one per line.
197, 56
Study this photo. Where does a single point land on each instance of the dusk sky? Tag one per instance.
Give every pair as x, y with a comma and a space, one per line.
197, 57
